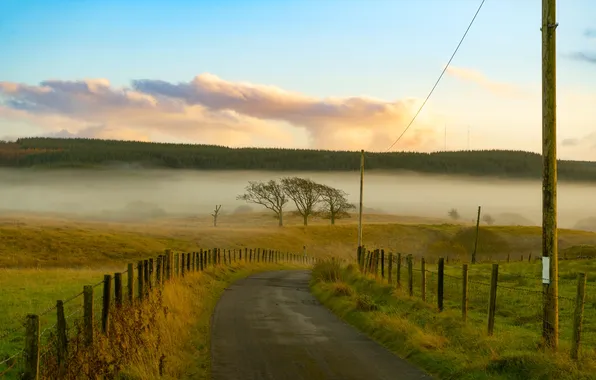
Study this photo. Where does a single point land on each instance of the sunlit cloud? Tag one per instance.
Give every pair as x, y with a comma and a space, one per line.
208, 109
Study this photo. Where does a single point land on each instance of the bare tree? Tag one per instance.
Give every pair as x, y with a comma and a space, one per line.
488, 219
305, 193
270, 194
336, 205
453, 214
215, 214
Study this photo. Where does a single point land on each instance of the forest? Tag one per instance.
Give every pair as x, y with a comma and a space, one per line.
90, 153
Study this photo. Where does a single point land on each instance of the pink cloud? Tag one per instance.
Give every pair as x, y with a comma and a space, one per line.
479, 79
209, 109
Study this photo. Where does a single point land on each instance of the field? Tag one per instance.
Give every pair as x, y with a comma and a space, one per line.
45, 258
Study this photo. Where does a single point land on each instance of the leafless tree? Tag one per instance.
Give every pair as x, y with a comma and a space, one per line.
335, 203
453, 214
488, 219
270, 194
215, 214
305, 193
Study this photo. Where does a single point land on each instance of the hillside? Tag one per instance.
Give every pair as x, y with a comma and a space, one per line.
56, 153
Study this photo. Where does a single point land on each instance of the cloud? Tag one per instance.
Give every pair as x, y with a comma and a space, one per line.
583, 57
209, 109
478, 78
570, 142
590, 33
583, 147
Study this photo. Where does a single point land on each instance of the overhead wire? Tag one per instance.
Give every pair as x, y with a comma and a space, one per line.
440, 76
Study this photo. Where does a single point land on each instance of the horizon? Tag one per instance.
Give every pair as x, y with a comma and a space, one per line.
255, 76
284, 148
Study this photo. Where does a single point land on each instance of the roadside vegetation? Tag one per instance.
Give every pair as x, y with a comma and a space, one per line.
442, 343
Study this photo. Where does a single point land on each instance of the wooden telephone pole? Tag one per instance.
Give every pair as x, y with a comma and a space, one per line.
550, 256
360, 205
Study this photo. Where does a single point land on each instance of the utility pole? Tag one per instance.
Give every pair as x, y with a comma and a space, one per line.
476, 239
550, 255
361, 190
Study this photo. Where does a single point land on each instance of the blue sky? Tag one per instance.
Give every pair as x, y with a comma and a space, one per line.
386, 49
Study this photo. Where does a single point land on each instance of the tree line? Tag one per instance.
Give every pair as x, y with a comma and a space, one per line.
55, 152
309, 197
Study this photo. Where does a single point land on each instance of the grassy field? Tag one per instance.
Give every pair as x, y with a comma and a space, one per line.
34, 241
443, 344
51, 257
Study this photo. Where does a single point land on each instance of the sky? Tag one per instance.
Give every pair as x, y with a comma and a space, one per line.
325, 74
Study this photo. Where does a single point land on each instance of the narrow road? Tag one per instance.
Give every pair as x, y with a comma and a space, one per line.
269, 326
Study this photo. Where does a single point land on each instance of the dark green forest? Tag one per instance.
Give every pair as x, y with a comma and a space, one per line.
89, 153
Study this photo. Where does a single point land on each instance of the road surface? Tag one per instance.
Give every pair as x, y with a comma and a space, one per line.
269, 326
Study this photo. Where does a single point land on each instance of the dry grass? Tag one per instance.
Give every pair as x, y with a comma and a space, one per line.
34, 241
442, 343
165, 337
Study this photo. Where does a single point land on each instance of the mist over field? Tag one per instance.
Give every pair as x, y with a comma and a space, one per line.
119, 192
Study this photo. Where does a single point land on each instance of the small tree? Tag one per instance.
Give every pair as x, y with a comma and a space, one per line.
270, 194
453, 214
488, 219
215, 214
336, 205
305, 193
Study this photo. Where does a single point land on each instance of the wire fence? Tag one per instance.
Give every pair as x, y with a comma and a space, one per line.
64, 324
519, 297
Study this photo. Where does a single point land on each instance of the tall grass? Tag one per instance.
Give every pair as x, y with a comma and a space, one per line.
167, 336
441, 343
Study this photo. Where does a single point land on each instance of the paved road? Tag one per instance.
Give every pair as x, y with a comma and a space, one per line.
269, 326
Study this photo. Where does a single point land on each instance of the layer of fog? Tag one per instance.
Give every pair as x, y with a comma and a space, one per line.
170, 192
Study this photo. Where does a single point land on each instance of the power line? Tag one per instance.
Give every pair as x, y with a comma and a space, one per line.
440, 76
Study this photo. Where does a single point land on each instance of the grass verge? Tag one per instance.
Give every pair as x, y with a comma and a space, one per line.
440, 343
165, 337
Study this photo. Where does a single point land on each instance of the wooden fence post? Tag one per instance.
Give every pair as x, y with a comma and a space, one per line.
140, 277
229, 257
382, 264
146, 276
130, 281
194, 262
410, 276
88, 314
168, 266
151, 270
201, 260
398, 270
158, 271
31, 370
464, 296
441, 283
377, 262
62, 340
492, 302
423, 279
389, 267
106, 301
183, 266
118, 289
578, 315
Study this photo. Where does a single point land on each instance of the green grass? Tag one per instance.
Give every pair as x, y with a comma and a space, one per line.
36, 291
442, 343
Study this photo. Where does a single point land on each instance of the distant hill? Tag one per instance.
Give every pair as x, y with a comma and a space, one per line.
59, 153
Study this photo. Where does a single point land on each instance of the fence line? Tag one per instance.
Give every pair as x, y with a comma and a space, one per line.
50, 345
500, 296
